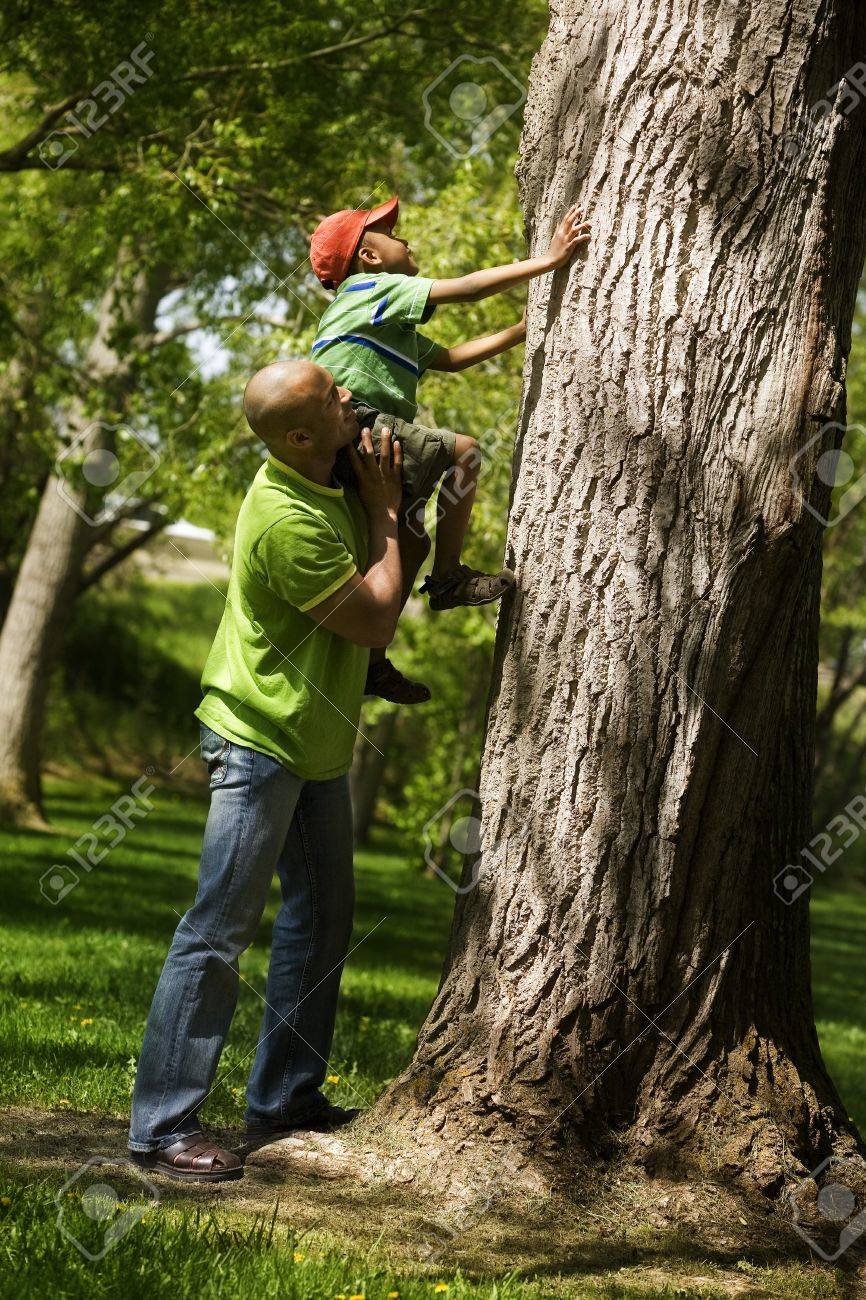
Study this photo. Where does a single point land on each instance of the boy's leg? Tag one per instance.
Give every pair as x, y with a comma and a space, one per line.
310, 941
252, 804
454, 504
451, 582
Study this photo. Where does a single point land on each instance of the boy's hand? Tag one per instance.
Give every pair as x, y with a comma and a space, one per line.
571, 232
380, 481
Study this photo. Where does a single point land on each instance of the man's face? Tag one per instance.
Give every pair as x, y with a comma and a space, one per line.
390, 253
329, 416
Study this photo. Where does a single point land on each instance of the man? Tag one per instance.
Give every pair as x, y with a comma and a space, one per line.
315, 582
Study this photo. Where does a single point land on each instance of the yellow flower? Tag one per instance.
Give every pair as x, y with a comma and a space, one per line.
5, 1200
64, 1101
88, 1020
334, 1078
357, 1297
441, 1286
298, 1257
393, 1295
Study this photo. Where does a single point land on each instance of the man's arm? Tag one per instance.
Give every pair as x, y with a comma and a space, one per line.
571, 232
366, 608
472, 351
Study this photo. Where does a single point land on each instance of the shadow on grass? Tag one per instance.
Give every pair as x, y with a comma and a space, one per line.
585, 1238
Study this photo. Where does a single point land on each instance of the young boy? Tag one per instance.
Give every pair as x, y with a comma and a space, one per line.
369, 340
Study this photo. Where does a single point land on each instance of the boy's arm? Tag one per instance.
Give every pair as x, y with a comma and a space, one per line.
475, 350
571, 232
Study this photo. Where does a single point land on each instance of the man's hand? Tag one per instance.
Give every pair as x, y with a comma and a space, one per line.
571, 232
380, 481
366, 608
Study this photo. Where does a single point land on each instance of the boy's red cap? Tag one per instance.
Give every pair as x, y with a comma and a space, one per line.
336, 238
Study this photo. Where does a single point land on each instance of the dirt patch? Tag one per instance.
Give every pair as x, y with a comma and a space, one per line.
622, 1225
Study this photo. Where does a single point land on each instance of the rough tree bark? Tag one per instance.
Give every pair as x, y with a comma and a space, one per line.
647, 763
47, 581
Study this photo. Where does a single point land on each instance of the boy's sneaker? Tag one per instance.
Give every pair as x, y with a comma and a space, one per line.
465, 586
388, 683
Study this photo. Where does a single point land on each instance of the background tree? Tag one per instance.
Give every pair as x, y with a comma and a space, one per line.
624, 967
191, 201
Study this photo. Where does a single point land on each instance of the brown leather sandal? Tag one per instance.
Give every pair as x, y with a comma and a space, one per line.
194, 1159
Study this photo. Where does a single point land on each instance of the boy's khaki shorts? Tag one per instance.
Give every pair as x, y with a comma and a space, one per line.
427, 455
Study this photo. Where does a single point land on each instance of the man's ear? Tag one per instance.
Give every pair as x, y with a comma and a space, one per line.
298, 439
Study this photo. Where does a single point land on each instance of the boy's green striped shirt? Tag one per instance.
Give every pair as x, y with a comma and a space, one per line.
368, 339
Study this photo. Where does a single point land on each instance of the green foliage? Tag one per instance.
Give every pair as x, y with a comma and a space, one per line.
843, 603
211, 173
128, 683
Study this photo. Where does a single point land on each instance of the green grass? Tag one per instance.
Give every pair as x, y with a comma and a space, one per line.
76, 981
77, 977
193, 1255
839, 987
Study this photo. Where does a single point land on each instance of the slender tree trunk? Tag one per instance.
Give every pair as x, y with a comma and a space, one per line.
368, 768
623, 969
20, 459
50, 570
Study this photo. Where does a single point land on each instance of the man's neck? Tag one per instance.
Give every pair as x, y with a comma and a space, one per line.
317, 469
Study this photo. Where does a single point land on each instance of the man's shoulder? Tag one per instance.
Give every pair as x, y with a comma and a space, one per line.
273, 499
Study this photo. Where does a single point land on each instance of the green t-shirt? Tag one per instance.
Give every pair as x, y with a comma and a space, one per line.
368, 340
275, 680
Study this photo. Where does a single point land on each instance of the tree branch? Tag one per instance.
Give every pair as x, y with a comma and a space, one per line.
266, 65
13, 158
120, 554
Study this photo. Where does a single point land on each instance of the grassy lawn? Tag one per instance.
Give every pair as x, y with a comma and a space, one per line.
76, 981
77, 977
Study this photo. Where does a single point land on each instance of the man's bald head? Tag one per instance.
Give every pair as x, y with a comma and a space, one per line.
300, 414
278, 398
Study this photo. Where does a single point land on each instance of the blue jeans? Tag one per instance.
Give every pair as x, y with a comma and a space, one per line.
262, 818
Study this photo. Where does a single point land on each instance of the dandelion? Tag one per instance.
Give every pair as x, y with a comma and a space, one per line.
440, 1286
298, 1256
393, 1295
88, 1020
334, 1078
5, 1200
357, 1297
64, 1101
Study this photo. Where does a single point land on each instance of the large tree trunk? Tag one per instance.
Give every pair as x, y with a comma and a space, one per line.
47, 581
623, 968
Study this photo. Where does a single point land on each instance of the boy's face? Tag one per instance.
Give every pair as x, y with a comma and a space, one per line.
380, 250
